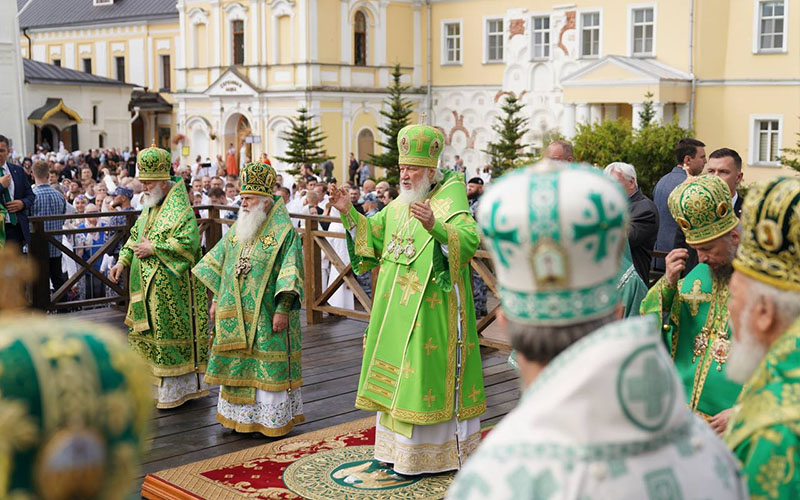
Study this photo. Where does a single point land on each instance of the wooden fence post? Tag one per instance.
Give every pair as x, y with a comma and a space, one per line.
312, 264
214, 231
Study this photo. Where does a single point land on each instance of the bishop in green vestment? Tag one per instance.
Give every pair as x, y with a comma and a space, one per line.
694, 310
764, 430
421, 369
256, 275
168, 310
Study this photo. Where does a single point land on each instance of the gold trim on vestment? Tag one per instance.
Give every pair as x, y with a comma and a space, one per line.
255, 427
176, 371
258, 384
188, 397
423, 458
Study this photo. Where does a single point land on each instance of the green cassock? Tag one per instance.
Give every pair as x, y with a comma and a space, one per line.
764, 429
168, 311
696, 330
410, 366
246, 354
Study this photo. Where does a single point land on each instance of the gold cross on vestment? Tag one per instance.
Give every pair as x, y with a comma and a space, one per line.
470, 345
430, 346
407, 370
429, 398
441, 207
434, 300
474, 394
410, 285
696, 297
421, 137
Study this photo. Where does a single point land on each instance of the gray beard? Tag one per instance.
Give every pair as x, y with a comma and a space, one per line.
249, 223
415, 194
152, 198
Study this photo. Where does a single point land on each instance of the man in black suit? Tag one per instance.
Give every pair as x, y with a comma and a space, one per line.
726, 164
16, 195
644, 218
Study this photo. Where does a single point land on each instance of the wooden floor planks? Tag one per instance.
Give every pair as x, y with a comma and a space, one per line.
331, 367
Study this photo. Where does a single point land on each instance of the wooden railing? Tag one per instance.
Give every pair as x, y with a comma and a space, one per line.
315, 246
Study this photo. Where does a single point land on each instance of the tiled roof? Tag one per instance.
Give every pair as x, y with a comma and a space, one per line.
39, 72
60, 13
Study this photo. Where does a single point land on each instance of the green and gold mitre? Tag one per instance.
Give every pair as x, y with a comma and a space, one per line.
154, 164
420, 145
258, 178
75, 404
702, 208
556, 233
769, 250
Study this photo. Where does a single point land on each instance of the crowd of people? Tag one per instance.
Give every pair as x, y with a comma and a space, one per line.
643, 377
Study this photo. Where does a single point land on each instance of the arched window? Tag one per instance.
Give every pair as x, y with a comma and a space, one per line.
237, 30
360, 39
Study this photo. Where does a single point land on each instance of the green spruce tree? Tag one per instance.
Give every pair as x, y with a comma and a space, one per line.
508, 151
397, 115
648, 112
304, 143
791, 156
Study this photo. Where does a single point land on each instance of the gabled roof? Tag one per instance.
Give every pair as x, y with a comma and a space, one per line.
149, 101
51, 107
61, 13
231, 83
39, 72
634, 69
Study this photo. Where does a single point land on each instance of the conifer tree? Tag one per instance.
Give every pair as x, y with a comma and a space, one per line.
304, 143
397, 115
508, 151
648, 113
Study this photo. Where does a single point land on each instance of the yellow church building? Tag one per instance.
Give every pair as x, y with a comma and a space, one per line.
239, 69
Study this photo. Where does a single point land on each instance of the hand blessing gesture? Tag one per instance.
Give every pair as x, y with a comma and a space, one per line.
422, 211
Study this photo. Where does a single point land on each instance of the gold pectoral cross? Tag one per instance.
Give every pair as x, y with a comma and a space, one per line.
242, 266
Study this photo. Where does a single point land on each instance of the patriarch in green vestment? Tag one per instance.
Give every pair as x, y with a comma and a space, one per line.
421, 369
694, 310
764, 429
256, 275
168, 310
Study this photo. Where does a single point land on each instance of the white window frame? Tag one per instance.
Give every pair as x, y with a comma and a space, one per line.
444, 61
754, 139
486, 21
757, 28
640, 6
549, 55
580, 14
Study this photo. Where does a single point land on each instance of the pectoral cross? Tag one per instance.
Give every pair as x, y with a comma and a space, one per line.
429, 398
410, 285
696, 297
242, 267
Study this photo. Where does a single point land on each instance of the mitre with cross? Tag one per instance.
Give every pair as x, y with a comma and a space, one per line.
556, 233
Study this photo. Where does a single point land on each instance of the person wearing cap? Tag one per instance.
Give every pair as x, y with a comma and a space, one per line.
75, 403
602, 414
370, 204
421, 369
694, 310
168, 310
256, 275
765, 316
474, 192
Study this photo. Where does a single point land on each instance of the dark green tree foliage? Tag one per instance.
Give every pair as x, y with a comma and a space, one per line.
304, 143
793, 160
648, 112
397, 116
508, 151
651, 149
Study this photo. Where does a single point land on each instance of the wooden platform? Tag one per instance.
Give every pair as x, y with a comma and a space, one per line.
331, 366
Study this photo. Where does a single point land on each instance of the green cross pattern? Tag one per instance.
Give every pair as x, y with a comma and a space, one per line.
662, 484
469, 483
523, 485
497, 236
650, 388
601, 228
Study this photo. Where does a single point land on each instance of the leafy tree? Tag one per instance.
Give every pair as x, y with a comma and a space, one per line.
794, 161
397, 114
650, 149
304, 143
648, 112
508, 152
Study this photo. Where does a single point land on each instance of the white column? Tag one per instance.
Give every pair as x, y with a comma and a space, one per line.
380, 32
658, 107
417, 75
683, 115
596, 113
347, 48
568, 120
216, 22
252, 19
638, 107
180, 48
611, 112
313, 29
582, 113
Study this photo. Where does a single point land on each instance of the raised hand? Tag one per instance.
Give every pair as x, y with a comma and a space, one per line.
424, 214
675, 264
340, 199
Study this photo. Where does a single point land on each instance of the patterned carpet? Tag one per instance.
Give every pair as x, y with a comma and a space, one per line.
331, 463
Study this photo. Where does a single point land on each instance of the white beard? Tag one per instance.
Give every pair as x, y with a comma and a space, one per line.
249, 223
746, 352
153, 197
414, 194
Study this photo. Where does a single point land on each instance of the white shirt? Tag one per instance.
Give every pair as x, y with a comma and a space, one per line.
7, 171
